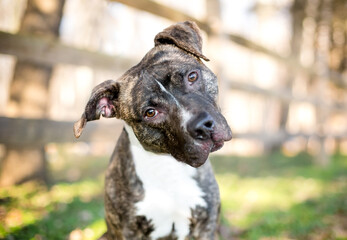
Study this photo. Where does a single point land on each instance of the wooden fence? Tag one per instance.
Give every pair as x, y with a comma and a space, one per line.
16, 131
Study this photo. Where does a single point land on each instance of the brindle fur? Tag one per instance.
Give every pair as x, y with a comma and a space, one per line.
123, 189
177, 51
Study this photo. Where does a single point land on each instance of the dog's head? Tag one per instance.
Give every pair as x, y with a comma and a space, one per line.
169, 99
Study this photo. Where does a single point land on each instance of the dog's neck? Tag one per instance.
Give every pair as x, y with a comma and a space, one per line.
170, 190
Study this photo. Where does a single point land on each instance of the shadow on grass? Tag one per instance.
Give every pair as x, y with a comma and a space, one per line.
276, 164
321, 218
63, 219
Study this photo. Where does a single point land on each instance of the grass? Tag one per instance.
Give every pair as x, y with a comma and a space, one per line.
278, 197
32, 211
266, 197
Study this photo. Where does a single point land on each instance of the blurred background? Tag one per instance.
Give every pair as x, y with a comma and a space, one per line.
282, 70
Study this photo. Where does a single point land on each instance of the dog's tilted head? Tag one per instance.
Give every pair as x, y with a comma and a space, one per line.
169, 99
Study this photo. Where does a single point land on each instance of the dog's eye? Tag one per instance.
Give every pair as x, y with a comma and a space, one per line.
193, 76
151, 113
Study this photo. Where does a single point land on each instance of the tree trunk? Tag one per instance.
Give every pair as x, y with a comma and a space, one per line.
29, 94
298, 16
322, 44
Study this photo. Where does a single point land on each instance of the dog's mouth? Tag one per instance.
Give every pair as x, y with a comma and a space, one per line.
216, 146
218, 139
205, 147
212, 145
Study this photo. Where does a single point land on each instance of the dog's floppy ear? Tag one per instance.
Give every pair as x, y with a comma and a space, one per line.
103, 101
185, 35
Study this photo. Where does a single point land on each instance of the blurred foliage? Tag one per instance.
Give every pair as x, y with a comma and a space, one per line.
266, 197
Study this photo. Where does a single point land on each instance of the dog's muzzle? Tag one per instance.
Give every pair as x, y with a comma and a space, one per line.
203, 128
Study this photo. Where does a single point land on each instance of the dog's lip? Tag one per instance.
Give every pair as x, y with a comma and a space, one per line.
197, 163
211, 145
218, 140
221, 136
217, 145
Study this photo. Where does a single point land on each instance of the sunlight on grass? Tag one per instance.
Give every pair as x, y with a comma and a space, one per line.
86, 190
32, 209
91, 232
277, 197
98, 228
242, 196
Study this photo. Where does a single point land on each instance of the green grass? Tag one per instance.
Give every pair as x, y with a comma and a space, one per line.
278, 197
36, 212
266, 197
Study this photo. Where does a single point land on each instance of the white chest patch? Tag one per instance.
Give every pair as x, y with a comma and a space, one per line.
170, 190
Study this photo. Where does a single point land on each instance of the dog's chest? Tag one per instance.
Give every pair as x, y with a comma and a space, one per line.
170, 192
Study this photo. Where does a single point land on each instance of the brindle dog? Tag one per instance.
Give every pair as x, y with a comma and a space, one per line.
159, 183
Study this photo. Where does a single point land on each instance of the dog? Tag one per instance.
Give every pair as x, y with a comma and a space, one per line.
159, 184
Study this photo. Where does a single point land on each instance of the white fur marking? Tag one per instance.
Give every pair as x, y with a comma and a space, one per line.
185, 117
166, 91
170, 190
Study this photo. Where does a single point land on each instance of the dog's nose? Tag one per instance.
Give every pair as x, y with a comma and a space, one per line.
201, 126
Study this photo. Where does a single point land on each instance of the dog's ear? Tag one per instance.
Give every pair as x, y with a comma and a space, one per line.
103, 101
185, 35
